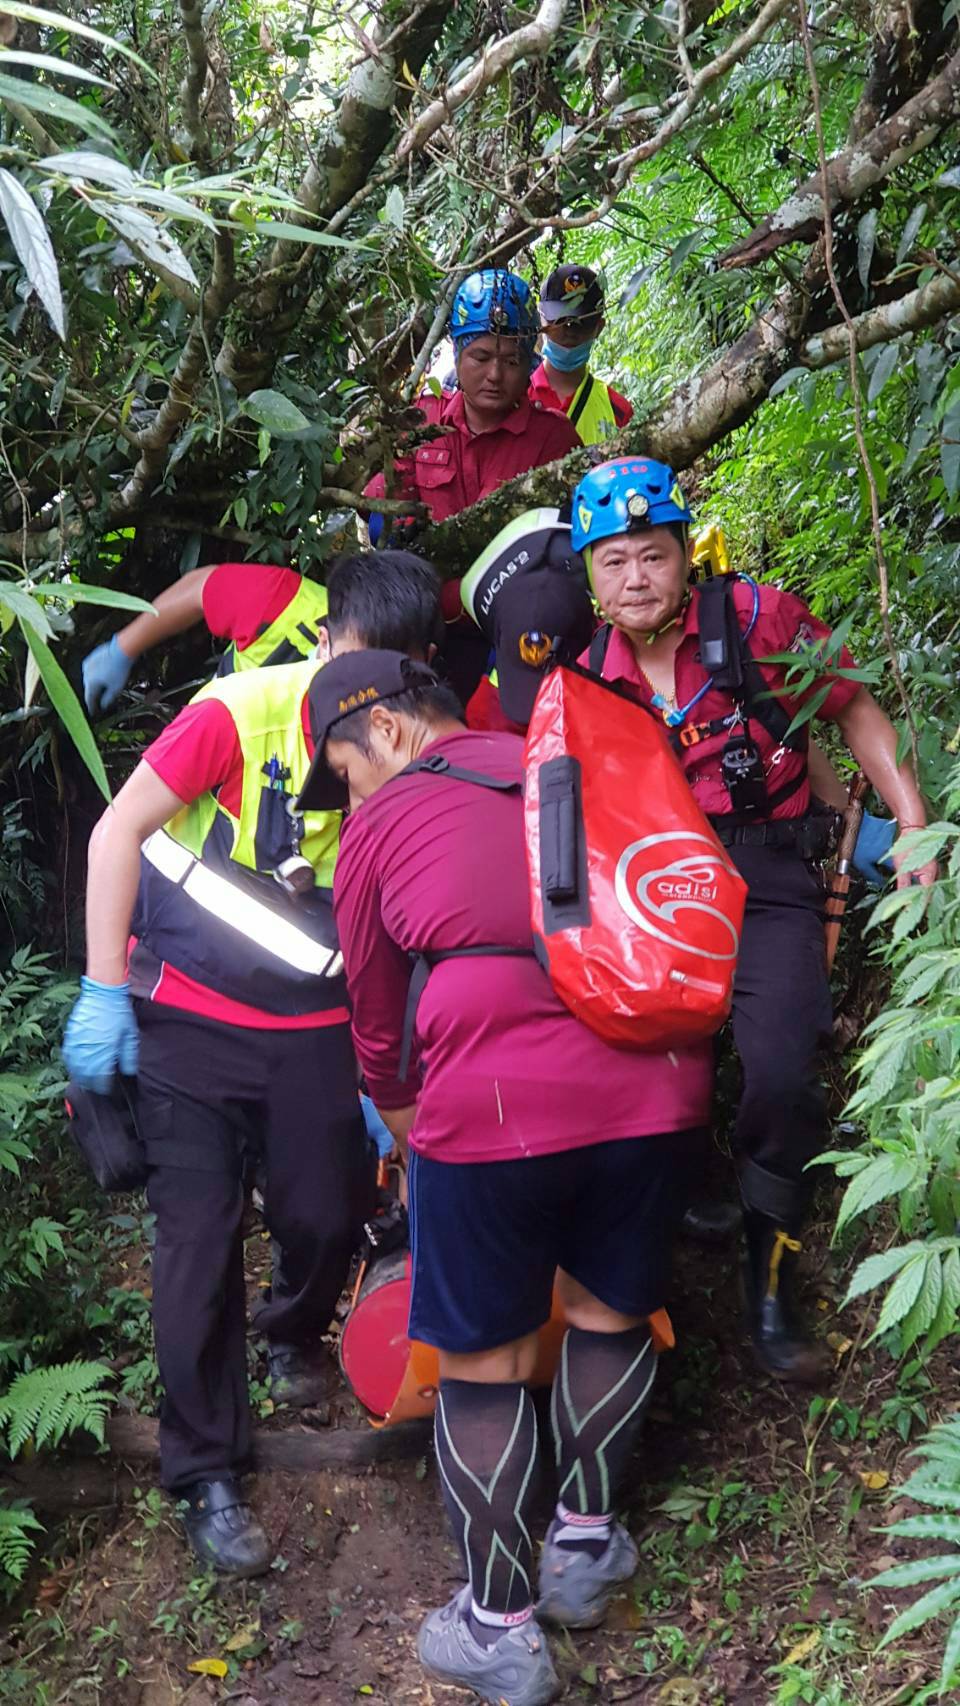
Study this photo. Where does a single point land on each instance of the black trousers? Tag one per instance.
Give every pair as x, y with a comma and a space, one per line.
216, 1099
781, 1020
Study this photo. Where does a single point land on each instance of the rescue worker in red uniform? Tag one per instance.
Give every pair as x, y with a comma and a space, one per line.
268, 614
572, 318
215, 976
693, 653
494, 429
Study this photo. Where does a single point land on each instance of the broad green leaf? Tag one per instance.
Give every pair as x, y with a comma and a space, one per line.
910, 231
902, 1295
49, 62
26, 609
951, 1659
933, 1527
31, 239
303, 234
68, 708
395, 207
866, 241
684, 249
271, 409
40, 98
155, 244
932, 1604
95, 168
950, 452
885, 1177
792, 377
75, 593
925, 1309
882, 368
919, 1570
875, 1270
59, 21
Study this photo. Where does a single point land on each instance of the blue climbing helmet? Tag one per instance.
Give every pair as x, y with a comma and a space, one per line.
626, 496
493, 300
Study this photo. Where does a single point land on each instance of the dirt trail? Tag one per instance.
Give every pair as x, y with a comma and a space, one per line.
749, 1589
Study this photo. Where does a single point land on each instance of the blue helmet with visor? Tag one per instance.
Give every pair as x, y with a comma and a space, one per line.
626, 496
494, 301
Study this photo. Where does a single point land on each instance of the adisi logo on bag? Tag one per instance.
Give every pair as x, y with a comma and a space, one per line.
680, 899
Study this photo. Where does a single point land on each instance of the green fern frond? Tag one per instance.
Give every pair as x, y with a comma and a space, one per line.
48, 1403
17, 1528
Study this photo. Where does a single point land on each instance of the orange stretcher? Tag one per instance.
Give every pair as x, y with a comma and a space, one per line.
396, 1378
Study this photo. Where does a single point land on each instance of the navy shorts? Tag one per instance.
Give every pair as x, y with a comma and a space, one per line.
488, 1236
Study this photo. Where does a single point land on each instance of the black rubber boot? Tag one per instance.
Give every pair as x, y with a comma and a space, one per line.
223, 1531
306, 1378
769, 1270
709, 1220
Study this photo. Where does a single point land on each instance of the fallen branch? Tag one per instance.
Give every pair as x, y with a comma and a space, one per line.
911, 313
855, 170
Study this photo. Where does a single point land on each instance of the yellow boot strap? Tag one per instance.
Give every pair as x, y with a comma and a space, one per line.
781, 1242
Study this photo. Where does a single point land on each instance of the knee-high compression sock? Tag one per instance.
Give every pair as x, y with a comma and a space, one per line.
600, 1392
486, 1439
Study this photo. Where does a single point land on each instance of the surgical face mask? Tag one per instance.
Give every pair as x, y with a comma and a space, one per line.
567, 360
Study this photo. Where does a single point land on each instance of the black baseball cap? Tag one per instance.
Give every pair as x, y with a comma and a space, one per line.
547, 611
351, 682
528, 593
571, 293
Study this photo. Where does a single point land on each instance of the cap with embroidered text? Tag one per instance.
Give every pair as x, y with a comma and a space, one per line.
348, 683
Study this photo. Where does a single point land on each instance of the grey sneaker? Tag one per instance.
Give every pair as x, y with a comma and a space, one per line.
576, 1589
516, 1671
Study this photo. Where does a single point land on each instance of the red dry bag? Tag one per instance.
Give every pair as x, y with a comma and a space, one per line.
636, 907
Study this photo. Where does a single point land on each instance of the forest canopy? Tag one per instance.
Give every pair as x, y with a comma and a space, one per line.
233, 236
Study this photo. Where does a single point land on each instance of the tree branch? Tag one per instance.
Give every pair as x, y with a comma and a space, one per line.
344, 158
195, 80
531, 41
854, 171
912, 313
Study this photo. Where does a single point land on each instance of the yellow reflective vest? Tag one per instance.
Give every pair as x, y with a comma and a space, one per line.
591, 411
210, 902
292, 635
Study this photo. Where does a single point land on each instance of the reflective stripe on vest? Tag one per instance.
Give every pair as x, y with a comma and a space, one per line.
209, 904
292, 635
596, 420
243, 912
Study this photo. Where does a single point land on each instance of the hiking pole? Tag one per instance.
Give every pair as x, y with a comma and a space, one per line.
840, 886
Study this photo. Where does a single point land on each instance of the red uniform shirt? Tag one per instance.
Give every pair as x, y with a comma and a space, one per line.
241, 599
542, 391
452, 472
484, 711
200, 752
784, 623
508, 1071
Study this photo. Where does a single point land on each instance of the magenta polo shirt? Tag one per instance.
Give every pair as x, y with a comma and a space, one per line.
429, 863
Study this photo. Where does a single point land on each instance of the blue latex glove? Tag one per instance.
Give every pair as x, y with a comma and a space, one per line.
877, 836
101, 1037
105, 671
376, 1128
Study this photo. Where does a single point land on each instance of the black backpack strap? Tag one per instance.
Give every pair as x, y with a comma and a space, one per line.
598, 647
728, 660
423, 965
586, 392
437, 765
